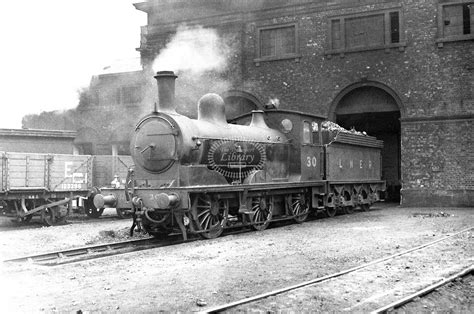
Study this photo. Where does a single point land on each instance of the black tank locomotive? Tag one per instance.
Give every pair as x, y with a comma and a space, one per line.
207, 174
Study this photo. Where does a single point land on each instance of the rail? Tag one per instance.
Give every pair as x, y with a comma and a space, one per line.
56, 258
223, 307
398, 303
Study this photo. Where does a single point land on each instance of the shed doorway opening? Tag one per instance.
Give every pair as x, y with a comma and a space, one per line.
375, 111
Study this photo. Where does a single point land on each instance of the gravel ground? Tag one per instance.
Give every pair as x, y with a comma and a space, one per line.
195, 276
454, 297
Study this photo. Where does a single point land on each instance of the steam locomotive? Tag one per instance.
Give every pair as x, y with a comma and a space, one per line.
201, 176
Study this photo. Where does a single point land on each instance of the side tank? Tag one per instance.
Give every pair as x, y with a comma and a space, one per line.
168, 144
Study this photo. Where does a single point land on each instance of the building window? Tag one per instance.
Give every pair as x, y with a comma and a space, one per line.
277, 42
455, 21
129, 95
394, 27
365, 31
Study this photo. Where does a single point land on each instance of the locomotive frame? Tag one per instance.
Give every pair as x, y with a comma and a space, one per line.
178, 184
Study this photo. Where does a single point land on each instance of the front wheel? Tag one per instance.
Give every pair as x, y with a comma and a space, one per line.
209, 215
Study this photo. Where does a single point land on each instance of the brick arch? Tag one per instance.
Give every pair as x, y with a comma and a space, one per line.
374, 107
243, 94
364, 83
240, 98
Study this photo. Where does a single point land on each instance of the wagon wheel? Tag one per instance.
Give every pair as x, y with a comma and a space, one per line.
60, 219
346, 197
209, 214
363, 196
23, 220
17, 206
91, 210
123, 213
330, 211
299, 207
261, 212
48, 216
348, 209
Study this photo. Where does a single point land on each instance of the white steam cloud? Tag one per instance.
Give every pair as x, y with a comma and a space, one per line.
194, 50
202, 60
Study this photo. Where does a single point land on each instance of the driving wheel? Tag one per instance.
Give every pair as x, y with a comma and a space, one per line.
209, 215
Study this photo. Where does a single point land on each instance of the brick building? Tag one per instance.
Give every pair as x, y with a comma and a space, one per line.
402, 70
115, 103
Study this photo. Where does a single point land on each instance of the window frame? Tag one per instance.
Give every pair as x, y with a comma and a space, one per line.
441, 38
387, 45
309, 139
313, 134
296, 55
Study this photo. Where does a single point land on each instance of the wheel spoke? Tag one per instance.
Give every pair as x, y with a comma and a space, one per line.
210, 215
261, 213
204, 213
206, 221
299, 207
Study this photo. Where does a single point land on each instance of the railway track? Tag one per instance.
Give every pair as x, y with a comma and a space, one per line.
74, 255
84, 253
420, 293
235, 304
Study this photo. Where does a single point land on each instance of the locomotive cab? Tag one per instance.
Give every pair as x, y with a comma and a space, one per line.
304, 135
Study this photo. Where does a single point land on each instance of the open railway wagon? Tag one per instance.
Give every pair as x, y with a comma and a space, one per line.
109, 174
43, 185
204, 175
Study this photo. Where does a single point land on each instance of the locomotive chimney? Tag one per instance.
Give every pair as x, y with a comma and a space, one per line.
257, 119
166, 83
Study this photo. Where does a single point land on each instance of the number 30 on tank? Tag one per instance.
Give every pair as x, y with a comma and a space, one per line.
311, 161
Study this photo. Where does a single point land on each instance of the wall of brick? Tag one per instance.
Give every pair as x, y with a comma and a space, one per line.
430, 82
438, 162
427, 80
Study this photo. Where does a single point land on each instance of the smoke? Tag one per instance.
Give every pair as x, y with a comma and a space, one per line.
202, 59
273, 103
194, 50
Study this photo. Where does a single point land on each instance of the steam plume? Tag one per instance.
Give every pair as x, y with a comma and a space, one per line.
201, 59
194, 50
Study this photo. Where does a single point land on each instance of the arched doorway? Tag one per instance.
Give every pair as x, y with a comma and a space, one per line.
376, 109
238, 102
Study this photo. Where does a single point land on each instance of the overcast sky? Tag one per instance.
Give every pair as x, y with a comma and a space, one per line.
51, 48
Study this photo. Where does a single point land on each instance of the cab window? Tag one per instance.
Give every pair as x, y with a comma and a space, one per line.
315, 131
306, 132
